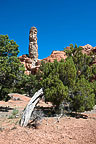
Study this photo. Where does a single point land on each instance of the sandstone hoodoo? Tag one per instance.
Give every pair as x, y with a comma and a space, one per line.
32, 63
33, 47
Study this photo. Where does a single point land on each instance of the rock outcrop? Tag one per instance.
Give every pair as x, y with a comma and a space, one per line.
87, 49
28, 64
33, 47
32, 63
58, 55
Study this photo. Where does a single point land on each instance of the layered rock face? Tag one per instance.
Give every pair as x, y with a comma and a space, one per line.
87, 49
58, 55
28, 64
32, 63
33, 47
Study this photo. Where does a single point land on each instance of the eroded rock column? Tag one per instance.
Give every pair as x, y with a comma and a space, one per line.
33, 47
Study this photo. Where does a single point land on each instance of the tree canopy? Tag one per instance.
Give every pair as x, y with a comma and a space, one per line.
11, 69
71, 80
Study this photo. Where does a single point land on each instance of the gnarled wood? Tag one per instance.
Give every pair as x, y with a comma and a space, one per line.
30, 107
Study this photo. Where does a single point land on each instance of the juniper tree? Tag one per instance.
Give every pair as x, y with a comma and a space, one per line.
83, 96
11, 69
54, 90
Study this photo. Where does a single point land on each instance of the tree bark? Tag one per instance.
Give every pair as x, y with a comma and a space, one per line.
30, 107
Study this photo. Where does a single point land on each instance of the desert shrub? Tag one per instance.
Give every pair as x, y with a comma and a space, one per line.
70, 80
83, 96
54, 90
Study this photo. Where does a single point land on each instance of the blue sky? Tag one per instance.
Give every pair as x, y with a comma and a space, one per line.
59, 23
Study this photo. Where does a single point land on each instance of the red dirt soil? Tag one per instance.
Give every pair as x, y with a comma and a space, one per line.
67, 131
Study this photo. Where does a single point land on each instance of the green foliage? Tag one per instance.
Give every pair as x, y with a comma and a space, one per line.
54, 90
70, 80
67, 72
93, 84
11, 117
94, 69
15, 112
8, 47
11, 70
83, 98
30, 84
56, 78
82, 62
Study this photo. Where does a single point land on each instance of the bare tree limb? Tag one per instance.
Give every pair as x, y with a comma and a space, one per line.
30, 107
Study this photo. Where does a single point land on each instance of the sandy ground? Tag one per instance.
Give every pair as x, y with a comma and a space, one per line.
68, 130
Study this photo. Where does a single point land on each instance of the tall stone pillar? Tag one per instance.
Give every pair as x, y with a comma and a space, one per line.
33, 47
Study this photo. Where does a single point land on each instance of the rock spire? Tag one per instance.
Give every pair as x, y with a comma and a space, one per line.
33, 47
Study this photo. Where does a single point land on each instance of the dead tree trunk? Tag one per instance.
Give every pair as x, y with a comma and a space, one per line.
30, 107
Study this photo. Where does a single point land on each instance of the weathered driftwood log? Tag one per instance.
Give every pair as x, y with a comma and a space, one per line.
30, 107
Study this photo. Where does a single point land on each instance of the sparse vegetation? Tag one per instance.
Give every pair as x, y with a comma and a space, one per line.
11, 117
70, 81
14, 113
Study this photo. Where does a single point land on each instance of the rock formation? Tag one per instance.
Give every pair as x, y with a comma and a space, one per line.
58, 55
33, 47
28, 64
32, 63
87, 49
